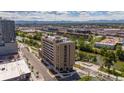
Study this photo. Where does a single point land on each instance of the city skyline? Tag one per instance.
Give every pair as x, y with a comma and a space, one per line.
62, 15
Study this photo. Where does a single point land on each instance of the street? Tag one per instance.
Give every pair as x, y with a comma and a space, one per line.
43, 70
37, 64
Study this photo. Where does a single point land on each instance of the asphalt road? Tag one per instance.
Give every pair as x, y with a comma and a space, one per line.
37, 64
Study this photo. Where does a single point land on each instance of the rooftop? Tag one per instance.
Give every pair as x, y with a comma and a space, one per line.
58, 39
5, 19
109, 41
107, 29
13, 69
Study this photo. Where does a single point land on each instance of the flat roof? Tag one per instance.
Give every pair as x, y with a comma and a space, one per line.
55, 38
111, 29
109, 41
13, 69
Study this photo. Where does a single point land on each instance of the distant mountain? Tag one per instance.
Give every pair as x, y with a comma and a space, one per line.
45, 22
62, 22
105, 21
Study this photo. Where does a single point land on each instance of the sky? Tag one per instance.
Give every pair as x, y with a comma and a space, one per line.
62, 15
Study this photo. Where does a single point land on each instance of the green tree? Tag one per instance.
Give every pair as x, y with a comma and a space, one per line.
110, 58
120, 53
103, 51
30, 37
81, 42
94, 59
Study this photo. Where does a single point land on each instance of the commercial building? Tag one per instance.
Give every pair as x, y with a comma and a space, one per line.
109, 43
59, 51
120, 34
14, 71
7, 37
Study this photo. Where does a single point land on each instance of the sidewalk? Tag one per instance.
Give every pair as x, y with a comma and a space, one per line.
95, 68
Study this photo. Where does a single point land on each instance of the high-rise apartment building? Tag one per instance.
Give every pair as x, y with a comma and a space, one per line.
58, 51
7, 37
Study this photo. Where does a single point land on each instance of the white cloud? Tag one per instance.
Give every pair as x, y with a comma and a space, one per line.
63, 15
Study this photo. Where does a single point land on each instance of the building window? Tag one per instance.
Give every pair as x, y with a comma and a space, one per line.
65, 53
65, 65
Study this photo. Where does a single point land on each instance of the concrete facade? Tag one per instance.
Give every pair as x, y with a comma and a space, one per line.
8, 49
58, 51
7, 31
7, 37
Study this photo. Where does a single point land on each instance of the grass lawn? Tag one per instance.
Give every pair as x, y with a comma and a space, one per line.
86, 78
119, 69
119, 66
77, 66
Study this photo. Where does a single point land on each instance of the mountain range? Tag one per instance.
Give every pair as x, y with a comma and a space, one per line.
62, 22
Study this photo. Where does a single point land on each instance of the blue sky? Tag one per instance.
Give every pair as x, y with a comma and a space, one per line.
62, 15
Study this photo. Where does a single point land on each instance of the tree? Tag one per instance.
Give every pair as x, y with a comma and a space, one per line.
37, 74
110, 58
37, 37
103, 51
94, 59
88, 47
30, 37
118, 50
120, 53
90, 38
20, 33
81, 42
108, 63
32, 68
